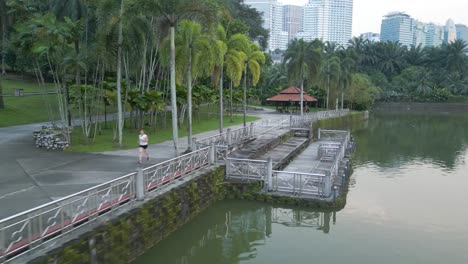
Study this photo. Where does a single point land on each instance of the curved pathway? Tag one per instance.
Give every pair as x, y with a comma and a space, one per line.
30, 177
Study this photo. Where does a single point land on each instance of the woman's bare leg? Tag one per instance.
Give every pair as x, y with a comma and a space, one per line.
140, 151
147, 154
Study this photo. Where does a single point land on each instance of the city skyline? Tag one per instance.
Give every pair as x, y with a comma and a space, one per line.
368, 13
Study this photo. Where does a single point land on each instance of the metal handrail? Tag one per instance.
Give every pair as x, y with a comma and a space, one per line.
168, 171
33, 227
65, 198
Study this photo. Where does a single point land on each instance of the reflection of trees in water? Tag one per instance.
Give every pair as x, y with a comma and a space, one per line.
395, 139
236, 236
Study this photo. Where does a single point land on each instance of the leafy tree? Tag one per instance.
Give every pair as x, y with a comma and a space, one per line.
362, 92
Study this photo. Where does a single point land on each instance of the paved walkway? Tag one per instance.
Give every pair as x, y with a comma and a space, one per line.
30, 177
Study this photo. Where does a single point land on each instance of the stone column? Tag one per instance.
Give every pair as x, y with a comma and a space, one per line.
140, 184
269, 175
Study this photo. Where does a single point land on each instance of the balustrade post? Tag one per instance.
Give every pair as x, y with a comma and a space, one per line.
290, 121
211, 156
228, 137
327, 187
318, 136
251, 134
269, 174
140, 185
228, 168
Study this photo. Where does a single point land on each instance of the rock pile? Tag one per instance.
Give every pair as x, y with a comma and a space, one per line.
50, 138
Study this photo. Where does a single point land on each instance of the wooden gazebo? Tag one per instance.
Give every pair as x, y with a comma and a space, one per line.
291, 97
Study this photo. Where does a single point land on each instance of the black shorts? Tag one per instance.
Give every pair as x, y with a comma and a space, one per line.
144, 146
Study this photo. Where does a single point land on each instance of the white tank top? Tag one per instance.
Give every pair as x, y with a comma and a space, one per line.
143, 140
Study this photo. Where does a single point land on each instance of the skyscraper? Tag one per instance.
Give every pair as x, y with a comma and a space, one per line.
328, 20
398, 27
292, 20
450, 31
272, 14
462, 32
434, 35
370, 36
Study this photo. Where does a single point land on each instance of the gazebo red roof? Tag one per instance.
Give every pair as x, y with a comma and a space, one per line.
291, 94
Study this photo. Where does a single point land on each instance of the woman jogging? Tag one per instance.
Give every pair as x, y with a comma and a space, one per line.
143, 145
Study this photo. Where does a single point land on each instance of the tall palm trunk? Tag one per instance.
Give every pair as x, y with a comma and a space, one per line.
245, 95
2, 105
302, 97
328, 84
175, 135
230, 103
119, 76
3, 45
342, 99
221, 110
189, 100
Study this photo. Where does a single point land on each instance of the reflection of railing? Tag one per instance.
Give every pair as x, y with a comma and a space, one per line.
298, 183
34, 227
246, 170
170, 170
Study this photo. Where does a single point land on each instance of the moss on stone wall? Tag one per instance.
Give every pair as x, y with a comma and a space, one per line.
122, 240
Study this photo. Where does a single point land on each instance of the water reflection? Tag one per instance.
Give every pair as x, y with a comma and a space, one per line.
392, 140
232, 232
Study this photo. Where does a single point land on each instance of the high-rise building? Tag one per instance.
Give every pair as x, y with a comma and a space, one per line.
434, 35
462, 32
450, 31
328, 20
292, 20
371, 36
398, 27
420, 32
272, 14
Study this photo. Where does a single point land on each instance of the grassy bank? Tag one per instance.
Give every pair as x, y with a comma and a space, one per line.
26, 109
104, 141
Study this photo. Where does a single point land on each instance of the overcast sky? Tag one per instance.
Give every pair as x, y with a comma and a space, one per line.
368, 13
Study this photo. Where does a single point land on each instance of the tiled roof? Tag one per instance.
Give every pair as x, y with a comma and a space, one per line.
291, 94
291, 90
291, 98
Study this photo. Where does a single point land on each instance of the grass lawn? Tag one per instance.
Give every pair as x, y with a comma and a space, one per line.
104, 140
26, 109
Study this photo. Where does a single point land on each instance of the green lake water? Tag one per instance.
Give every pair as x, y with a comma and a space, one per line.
408, 203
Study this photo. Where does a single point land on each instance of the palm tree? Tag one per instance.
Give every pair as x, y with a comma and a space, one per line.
346, 74
170, 12
302, 60
195, 56
330, 76
115, 19
456, 56
219, 49
229, 54
390, 57
252, 63
2, 104
5, 24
